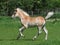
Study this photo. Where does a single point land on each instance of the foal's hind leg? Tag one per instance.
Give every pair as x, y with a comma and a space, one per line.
20, 32
46, 32
39, 32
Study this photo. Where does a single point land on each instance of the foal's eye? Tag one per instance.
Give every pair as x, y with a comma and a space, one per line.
14, 11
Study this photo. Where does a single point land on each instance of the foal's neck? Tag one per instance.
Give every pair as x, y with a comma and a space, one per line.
22, 15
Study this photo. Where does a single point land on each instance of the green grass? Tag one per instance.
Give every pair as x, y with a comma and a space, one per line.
9, 30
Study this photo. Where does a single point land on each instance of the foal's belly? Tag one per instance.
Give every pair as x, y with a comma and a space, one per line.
32, 24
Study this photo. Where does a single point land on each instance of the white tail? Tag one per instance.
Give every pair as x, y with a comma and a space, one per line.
49, 15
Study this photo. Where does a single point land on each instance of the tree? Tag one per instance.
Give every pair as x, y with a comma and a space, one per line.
7, 6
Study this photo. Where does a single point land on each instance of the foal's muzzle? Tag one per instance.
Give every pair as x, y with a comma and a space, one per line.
13, 16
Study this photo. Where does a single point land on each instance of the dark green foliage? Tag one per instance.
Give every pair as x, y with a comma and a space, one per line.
7, 6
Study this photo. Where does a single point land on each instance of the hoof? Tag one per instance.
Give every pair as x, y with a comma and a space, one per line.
45, 38
34, 37
17, 38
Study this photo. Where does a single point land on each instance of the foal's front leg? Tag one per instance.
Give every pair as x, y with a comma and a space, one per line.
20, 32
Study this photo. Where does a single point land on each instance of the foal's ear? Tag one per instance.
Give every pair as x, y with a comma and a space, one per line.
15, 10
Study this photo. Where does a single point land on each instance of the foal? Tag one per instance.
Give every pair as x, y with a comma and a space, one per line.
26, 20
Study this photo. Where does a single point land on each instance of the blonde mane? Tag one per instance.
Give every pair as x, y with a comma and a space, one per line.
23, 11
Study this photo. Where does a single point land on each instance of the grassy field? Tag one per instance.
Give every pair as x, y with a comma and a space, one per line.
9, 30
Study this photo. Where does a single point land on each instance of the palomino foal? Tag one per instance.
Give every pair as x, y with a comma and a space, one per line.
26, 20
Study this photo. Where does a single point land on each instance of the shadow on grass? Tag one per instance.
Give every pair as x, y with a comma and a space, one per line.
27, 39
18, 40
7, 39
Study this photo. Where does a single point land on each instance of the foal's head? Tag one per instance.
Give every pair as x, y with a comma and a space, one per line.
16, 13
